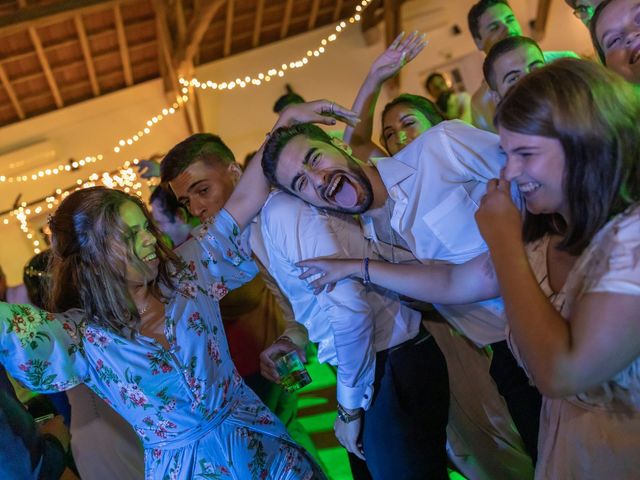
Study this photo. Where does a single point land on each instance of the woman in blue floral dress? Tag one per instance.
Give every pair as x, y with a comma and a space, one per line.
141, 327
183, 396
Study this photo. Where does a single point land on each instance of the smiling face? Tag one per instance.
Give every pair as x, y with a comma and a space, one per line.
401, 125
618, 35
323, 175
496, 23
536, 165
204, 188
512, 66
142, 241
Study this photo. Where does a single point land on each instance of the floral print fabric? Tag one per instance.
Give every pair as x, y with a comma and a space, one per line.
192, 411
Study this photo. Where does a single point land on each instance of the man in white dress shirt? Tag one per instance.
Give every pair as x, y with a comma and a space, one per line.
392, 385
428, 193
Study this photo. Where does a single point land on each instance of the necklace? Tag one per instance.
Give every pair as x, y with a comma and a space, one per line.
144, 309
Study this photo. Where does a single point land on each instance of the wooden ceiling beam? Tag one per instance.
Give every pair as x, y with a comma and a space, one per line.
11, 93
41, 15
218, 24
124, 48
265, 28
202, 17
255, 41
313, 17
69, 42
86, 52
106, 76
228, 29
165, 47
44, 63
337, 11
181, 23
286, 21
81, 63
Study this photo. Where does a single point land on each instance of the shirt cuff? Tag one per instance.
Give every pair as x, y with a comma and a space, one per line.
355, 397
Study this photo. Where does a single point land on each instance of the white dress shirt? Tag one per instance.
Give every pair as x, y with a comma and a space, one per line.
437, 182
351, 323
292, 329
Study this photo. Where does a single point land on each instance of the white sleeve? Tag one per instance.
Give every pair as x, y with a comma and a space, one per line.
476, 153
299, 232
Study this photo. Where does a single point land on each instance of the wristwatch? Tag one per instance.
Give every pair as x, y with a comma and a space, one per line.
346, 417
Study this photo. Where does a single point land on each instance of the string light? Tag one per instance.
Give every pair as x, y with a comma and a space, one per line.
185, 91
124, 178
151, 123
47, 172
265, 76
75, 165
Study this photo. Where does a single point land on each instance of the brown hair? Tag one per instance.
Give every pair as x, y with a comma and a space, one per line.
477, 10
594, 113
199, 147
91, 248
501, 48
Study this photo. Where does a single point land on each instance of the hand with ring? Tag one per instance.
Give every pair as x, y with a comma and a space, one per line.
318, 111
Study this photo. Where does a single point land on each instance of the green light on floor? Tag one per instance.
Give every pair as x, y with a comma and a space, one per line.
307, 402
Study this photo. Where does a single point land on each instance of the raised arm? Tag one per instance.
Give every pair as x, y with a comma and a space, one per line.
252, 190
446, 284
401, 51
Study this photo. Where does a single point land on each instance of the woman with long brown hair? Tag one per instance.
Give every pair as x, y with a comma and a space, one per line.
141, 326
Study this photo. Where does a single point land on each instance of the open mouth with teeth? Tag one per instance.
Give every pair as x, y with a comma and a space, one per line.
341, 191
149, 258
529, 188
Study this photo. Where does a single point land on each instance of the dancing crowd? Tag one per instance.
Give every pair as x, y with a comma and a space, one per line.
472, 275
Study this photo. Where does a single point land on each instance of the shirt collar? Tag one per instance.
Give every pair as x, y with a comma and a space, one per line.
393, 170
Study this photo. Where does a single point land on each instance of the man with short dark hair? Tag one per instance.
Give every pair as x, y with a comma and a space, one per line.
508, 61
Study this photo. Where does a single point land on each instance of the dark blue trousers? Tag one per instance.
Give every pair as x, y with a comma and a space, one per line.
404, 429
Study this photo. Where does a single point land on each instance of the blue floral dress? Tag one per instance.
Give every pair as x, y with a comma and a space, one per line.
190, 408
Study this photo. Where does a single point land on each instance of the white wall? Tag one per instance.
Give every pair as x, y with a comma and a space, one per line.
242, 116
88, 128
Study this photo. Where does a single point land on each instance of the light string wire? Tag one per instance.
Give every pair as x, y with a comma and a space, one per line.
125, 177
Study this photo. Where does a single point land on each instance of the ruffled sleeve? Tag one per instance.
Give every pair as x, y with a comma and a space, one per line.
610, 264
618, 270
218, 255
42, 350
